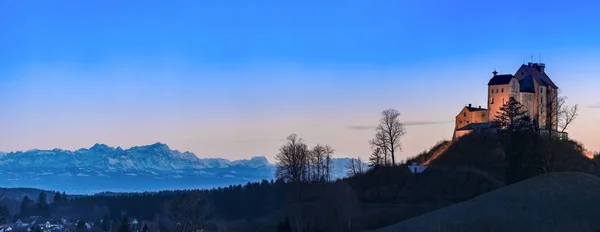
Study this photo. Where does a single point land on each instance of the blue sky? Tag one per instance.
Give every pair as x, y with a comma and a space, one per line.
233, 78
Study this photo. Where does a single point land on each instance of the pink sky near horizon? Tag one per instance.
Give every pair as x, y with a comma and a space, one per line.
326, 105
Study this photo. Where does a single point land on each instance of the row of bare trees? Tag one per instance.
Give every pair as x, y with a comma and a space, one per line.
355, 166
297, 163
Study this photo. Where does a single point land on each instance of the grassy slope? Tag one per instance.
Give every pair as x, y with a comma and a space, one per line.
553, 202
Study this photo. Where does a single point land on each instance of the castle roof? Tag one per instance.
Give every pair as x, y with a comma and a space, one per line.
540, 77
526, 85
474, 108
503, 79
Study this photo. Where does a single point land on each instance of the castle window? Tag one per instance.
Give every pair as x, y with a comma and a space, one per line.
503, 101
502, 90
467, 121
492, 102
465, 114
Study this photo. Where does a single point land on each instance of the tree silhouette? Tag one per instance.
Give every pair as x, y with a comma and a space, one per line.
375, 160
292, 159
64, 199
42, 204
57, 199
25, 205
521, 143
513, 116
284, 226
81, 226
105, 224
354, 167
42, 200
125, 226
389, 132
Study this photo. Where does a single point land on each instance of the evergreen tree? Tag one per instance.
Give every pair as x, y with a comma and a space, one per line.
105, 224
42, 200
125, 226
513, 116
520, 142
25, 205
4, 215
285, 226
57, 200
64, 199
42, 204
81, 227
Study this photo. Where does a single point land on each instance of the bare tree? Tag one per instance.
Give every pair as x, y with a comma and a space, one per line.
389, 131
351, 168
560, 117
560, 114
361, 165
189, 212
568, 114
318, 163
379, 142
355, 166
376, 158
292, 159
327, 168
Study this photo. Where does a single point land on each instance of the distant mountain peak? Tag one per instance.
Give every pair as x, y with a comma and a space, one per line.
259, 159
100, 146
159, 145
255, 161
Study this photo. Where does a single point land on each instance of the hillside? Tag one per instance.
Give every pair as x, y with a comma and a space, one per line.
469, 167
483, 153
552, 202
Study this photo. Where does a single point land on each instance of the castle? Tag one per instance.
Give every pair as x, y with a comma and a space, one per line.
530, 85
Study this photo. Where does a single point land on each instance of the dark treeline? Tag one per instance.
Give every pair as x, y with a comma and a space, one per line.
249, 202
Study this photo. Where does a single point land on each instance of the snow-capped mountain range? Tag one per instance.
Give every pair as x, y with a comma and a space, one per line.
141, 168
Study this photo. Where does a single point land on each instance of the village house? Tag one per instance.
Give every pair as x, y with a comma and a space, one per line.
415, 168
530, 85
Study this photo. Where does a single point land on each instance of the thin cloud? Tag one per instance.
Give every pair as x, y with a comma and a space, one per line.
594, 106
410, 123
257, 140
356, 127
423, 123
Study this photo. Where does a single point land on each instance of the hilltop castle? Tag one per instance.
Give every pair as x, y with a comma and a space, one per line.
530, 85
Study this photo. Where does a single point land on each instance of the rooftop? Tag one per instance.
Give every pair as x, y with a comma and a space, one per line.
537, 73
501, 79
470, 108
